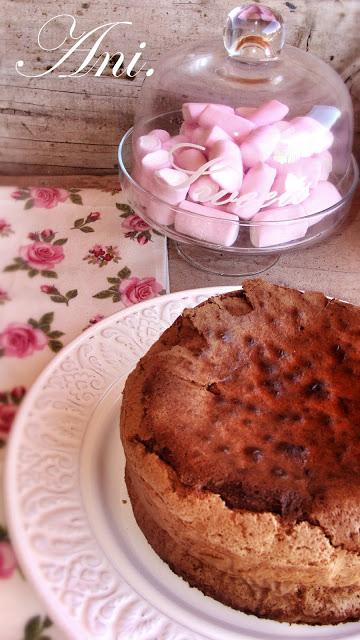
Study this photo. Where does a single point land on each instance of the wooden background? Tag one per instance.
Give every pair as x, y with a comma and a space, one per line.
59, 126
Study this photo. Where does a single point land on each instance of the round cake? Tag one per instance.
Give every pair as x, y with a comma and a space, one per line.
241, 431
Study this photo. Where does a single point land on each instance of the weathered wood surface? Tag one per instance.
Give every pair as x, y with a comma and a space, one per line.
332, 267
57, 125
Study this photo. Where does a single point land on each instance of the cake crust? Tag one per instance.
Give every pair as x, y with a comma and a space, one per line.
241, 430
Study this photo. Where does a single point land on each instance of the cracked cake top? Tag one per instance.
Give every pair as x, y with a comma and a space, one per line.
254, 395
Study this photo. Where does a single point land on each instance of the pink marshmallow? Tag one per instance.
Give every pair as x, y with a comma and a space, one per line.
228, 171
163, 135
323, 196
165, 185
155, 160
197, 135
236, 126
173, 141
269, 112
245, 112
258, 180
226, 148
207, 224
190, 159
268, 232
282, 125
170, 185
304, 137
208, 117
160, 213
147, 144
208, 137
318, 137
259, 145
294, 180
324, 142
203, 189
192, 110
326, 163
187, 130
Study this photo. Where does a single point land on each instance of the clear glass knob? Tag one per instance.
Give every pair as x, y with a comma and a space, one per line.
254, 33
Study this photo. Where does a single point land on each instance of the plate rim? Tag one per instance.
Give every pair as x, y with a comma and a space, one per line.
12, 511
71, 624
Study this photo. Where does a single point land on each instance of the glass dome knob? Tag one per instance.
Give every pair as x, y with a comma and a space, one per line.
254, 33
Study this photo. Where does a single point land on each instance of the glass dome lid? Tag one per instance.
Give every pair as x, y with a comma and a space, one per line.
251, 67
242, 146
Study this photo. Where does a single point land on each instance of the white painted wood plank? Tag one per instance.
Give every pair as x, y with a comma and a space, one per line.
51, 122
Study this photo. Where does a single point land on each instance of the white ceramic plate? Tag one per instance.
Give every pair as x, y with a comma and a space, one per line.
69, 513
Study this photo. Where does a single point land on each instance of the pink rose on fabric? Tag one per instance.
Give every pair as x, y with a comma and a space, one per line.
142, 240
17, 195
4, 296
21, 340
18, 392
42, 254
97, 250
47, 233
7, 415
48, 288
7, 560
101, 255
46, 197
134, 223
93, 216
96, 318
4, 226
135, 290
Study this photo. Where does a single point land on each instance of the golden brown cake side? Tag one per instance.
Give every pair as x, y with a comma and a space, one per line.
282, 601
238, 529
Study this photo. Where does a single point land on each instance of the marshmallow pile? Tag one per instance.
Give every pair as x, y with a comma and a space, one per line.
247, 164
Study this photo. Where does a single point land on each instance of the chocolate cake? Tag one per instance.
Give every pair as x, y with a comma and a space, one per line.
241, 430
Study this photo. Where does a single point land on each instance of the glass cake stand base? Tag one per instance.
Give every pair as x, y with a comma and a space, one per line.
225, 263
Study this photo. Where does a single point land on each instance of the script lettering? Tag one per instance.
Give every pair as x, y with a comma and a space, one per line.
93, 54
299, 188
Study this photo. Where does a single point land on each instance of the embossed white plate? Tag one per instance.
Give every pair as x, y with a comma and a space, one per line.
68, 510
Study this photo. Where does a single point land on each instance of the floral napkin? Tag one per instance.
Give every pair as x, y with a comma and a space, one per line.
68, 258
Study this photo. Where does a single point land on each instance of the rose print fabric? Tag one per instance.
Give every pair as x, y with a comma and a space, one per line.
68, 259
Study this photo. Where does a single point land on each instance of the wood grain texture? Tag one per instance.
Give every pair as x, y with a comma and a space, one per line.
72, 125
